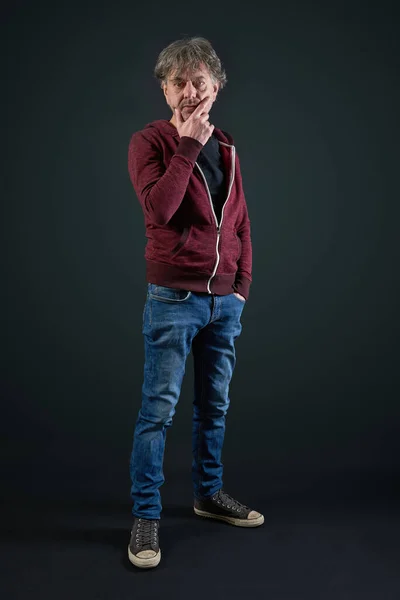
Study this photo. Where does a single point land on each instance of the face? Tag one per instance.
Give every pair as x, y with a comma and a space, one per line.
186, 90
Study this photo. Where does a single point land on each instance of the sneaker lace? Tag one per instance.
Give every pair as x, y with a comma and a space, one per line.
230, 502
146, 533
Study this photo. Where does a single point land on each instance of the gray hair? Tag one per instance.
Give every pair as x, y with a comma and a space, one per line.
188, 53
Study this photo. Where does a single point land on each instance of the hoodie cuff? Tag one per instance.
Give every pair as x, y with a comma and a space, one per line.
189, 148
242, 285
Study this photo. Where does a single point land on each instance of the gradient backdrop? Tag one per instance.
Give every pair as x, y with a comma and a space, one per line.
312, 101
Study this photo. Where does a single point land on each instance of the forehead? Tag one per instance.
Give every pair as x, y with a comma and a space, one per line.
202, 71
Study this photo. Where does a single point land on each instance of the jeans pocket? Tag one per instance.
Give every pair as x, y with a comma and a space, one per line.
163, 293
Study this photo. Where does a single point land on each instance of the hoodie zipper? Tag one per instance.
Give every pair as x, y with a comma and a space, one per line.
219, 225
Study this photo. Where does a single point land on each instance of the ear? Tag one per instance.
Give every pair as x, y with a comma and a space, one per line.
216, 88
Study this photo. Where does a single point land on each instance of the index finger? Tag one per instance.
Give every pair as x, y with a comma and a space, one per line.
201, 104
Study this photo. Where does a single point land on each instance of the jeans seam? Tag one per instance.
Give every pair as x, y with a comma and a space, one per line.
200, 482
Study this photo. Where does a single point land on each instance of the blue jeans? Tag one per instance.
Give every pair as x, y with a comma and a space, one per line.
174, 322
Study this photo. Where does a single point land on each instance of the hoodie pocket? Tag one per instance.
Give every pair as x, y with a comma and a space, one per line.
165, 242
229, 250
182, 241
196, 249
239, 242
193, 248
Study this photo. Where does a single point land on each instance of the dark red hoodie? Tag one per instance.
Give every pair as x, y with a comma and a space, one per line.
186, 247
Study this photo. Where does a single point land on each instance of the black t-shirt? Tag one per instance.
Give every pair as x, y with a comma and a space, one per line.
210, 163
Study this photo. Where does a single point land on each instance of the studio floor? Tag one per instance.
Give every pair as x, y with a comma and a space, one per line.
328, 548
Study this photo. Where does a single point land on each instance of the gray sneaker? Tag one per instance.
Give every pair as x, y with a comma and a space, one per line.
144, 550
225, 508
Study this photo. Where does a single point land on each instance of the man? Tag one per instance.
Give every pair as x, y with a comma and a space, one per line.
187, 178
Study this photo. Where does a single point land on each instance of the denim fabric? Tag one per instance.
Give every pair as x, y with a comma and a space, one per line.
174, 322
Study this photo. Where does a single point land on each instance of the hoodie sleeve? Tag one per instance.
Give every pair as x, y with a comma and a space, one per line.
160, 190
244, 273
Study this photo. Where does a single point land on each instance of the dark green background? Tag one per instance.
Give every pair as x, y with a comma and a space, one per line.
312, 101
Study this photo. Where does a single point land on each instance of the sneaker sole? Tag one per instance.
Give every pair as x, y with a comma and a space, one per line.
231, 520
144, 563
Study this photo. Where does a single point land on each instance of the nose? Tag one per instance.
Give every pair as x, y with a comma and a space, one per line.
189, 91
